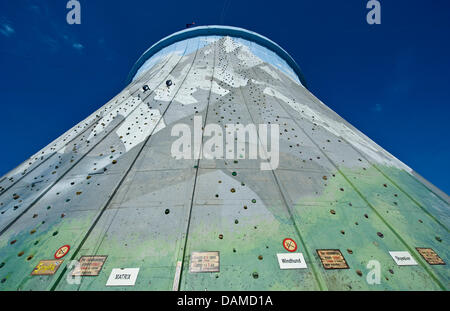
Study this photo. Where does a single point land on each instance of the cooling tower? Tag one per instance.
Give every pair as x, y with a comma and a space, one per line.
216, 169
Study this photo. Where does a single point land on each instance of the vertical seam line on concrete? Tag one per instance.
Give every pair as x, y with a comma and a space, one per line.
125, 175
396, 185
94, 123
370, 205
68, 170
131, 166
196, 175
310, 257
319, 102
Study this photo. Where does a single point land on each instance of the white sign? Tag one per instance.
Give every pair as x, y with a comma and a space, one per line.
291, 261
403, 258
123, 277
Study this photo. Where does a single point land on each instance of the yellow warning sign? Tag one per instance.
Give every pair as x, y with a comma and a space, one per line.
332, 259
430, 256
204, 262
47, 267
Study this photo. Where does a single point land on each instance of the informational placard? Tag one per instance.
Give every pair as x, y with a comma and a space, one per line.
430, 256
62, 251
89, 266
47, 267
123, 277
289, 245
332, 259
403, 258
204, 262
291, 261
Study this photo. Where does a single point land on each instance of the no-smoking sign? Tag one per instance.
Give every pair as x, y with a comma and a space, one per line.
62, 251
290, 245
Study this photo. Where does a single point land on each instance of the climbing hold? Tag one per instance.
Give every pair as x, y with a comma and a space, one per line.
167, 211
438, 239
342, 231
380, 234
333, 212
253, 201
168, 83
349, 251
233, 190
255, 275
79, 192
358, 272
114, 162
324, 177
221, 236
260, 257
145, 88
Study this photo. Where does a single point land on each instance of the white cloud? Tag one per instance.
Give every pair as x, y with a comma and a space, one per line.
77, 46
377, 108
7, 30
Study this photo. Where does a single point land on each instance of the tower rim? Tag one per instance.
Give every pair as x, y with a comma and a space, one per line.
217, 30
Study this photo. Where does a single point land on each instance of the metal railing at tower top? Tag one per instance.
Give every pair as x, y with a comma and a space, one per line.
216, 30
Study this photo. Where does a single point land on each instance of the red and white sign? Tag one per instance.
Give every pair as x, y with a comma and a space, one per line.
290, 245
62, 251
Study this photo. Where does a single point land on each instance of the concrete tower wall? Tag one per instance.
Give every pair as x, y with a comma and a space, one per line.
111, 186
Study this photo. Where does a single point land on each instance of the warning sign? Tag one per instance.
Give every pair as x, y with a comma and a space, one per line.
62, 251
47, 267
332, 259
204, 262
89, 266
430, 256
290, 245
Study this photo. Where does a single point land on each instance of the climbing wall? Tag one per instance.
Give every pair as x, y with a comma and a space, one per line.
111, 187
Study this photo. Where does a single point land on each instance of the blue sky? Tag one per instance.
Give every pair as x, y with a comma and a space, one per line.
391, 80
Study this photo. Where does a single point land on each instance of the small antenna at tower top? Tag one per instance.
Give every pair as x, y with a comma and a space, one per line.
190, 25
